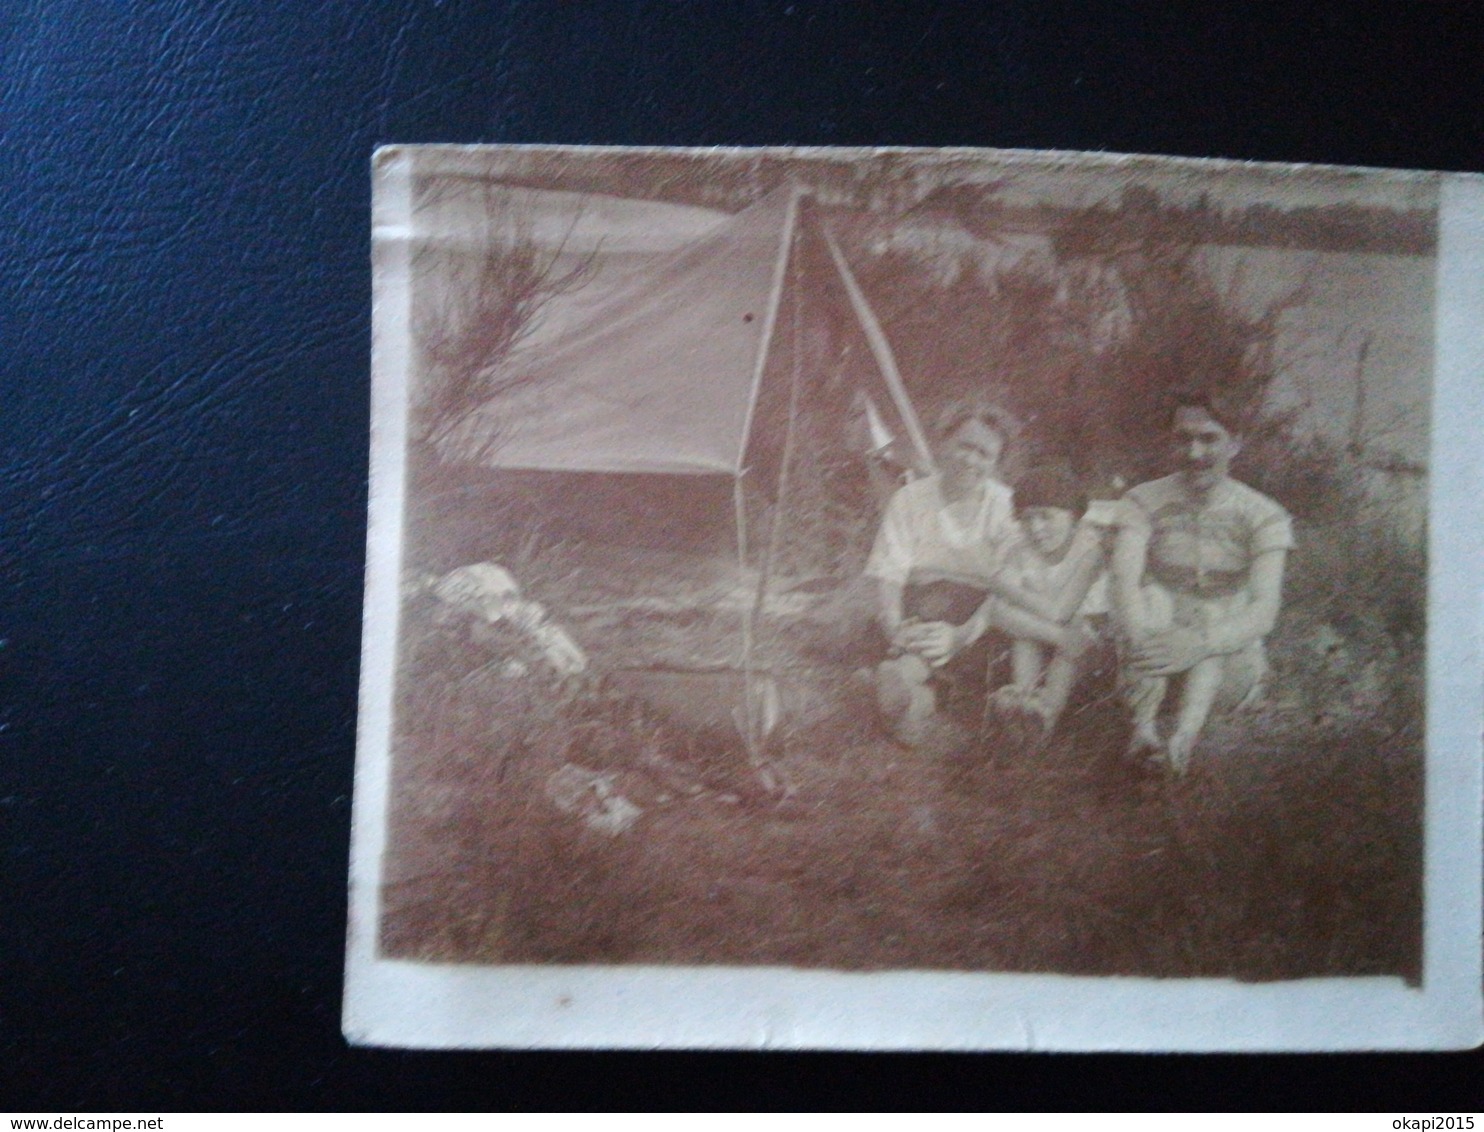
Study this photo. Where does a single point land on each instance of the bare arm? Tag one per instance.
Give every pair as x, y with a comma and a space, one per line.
1257, 618
1179, 649
1130, 556
997, 613
1025, 625
889, 607
945, 641
1090, 557
1087, 559
1021, 598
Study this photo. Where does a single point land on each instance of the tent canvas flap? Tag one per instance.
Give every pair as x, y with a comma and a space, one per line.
657, 377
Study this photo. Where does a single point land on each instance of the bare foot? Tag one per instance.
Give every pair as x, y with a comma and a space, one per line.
907, 703
996, 705
1182, 746
1145, 743
1021, 725
1043, 713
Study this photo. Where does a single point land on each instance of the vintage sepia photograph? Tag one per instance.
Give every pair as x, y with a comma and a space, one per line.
955, 563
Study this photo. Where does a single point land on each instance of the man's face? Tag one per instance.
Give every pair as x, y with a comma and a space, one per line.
972, 453
1204, 448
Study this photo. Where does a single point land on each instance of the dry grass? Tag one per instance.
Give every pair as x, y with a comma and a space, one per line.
1292, 849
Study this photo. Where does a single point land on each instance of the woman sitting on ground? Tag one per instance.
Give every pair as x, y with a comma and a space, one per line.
942, 543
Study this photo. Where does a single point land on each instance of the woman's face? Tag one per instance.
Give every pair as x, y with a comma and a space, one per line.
971, 454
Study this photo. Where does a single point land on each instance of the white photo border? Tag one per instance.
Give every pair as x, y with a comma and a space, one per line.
427, 1005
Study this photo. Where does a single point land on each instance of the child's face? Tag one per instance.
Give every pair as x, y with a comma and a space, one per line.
1048, 528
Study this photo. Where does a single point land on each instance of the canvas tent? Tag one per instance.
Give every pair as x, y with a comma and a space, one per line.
695, 362
662, 369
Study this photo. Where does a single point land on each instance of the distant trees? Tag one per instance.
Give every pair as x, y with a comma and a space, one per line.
1087, 343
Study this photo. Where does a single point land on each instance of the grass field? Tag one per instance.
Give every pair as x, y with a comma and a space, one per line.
1293, 847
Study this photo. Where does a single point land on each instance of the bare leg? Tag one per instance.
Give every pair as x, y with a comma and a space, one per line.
1011, 706
1026, 661
905, 697
1144, 695
1056, 689
1196, 698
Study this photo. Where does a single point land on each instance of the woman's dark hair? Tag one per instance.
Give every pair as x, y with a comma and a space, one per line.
1052, 486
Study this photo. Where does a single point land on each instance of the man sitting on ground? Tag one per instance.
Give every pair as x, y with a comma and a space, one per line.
1197, 580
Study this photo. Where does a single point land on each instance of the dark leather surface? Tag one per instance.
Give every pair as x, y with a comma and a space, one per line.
184, 314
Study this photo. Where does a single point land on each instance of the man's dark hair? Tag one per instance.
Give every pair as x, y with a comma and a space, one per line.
1052, 486
1223, 409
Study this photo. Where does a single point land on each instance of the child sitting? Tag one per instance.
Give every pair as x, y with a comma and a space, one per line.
1057, 570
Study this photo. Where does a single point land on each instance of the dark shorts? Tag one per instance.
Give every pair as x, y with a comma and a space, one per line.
953, 602
983, 665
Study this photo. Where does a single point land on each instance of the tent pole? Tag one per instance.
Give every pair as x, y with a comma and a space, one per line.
739, 503
739, 509
790, 438
762, 708
881, 349
770, 318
